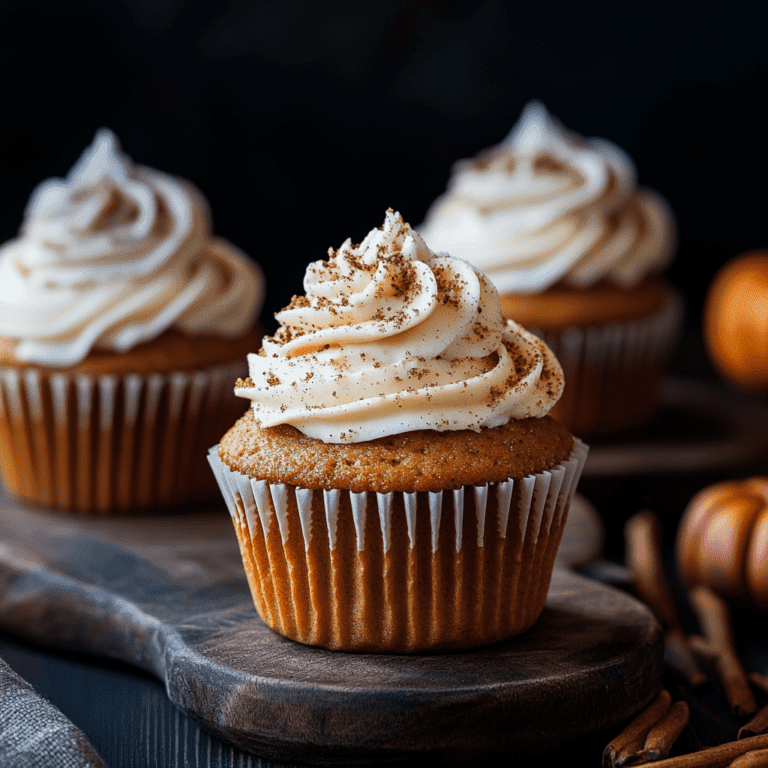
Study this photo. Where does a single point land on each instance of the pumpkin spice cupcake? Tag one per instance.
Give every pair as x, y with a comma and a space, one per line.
576, 249
122, 322
396, 485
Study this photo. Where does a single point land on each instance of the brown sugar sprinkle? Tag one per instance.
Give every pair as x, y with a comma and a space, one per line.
485, 159
495, 394
273, 380
548, 164
511, 381
448, 285
483, 331
282, 335
299, 302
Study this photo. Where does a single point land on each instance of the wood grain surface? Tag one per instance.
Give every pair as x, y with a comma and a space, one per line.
167, 594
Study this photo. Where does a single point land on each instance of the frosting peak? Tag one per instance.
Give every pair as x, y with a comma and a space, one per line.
391, 338
114, 255
546, 206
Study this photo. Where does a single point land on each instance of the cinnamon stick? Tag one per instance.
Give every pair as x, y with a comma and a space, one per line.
715, 622
757, 725
757, 758
716, 757
632, 739
642, 537
703, 648
664, 734
759, 681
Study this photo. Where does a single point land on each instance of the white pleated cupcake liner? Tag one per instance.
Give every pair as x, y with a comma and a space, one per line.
107, 442
601, 363
532, 525
269, 501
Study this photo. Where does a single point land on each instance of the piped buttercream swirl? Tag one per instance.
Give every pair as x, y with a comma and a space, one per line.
547, 206
114, 255
390, 338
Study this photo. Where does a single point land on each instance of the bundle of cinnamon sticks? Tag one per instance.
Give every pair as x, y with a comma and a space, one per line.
652, 734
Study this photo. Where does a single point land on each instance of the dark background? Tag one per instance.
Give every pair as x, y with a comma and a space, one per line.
303, 121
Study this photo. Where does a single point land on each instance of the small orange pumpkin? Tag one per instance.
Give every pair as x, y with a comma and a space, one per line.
722, 541
736, 320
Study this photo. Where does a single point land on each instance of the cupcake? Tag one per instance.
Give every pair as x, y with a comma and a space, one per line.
122, 323
397, 484
576, 250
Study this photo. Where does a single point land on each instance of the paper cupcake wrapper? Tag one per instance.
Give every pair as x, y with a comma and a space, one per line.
400, 572
612, 372
105, 443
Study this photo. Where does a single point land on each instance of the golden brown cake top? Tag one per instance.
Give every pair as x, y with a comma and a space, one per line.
423, 460
171, 351
561, 307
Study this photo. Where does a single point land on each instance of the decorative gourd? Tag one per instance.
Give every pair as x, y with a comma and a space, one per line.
736, 320
722, 540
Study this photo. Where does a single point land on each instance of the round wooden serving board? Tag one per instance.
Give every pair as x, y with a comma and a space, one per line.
699, 426
168, 594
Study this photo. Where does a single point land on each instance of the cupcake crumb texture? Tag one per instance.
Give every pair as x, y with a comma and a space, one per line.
422, 460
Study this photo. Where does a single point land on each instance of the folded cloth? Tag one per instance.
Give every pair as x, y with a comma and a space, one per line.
34, 734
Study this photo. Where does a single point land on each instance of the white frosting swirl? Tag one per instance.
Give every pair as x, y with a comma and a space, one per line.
392, 338
546, 206
114, 255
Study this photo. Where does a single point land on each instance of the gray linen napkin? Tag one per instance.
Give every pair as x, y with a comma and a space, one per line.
34, 734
